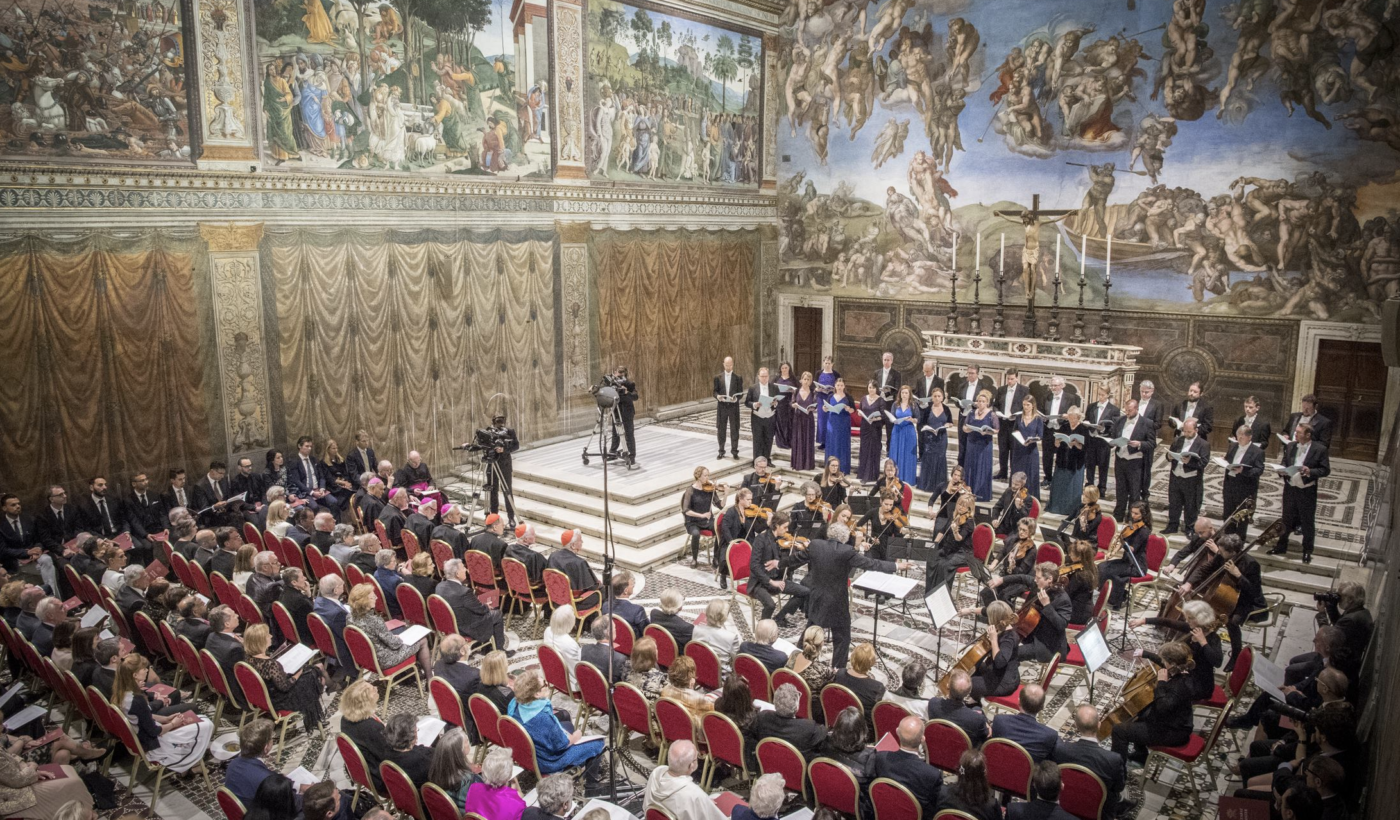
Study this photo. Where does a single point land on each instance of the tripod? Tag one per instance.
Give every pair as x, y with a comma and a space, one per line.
613, 417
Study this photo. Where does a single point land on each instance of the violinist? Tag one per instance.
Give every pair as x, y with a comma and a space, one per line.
738, 522
698, 504
761, 481
1083, 525
1167, 721
768, 564
940, 506
1017, 558
999, 673
811, 511
1203, 631
888, 481
1050, 599
1133, 563
1083, 580
883, 523
833, 483
1014, 504
954, 544
845, 517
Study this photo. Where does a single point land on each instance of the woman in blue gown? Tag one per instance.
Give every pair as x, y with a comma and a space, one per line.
826, 380
933, 464
1025, 458
978, 462
872, 430
904, 438
1067, 483
838, 425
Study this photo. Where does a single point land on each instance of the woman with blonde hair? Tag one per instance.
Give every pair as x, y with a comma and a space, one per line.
389, 649
856, 677
359, 721
114, 557
979, 428
559, 636
558, 746
277, 513
680, 687
718, 633
177, 742
299, 692
646, 675
807, 662
420, 575
495, 681
999, 673
243, 565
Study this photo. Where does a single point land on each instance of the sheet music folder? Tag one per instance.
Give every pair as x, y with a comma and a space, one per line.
883, 583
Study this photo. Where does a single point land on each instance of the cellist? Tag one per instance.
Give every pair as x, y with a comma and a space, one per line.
1167, 721
1245, 576
1048, 596
999, 672
1203, 630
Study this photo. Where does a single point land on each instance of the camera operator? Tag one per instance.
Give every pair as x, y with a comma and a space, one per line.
626, 409
1346, 610
503, 442
1274, 745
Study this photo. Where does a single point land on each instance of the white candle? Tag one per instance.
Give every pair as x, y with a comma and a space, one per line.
977, 258
1057, 256
1108, 261
955, 253
1001, 259
1083, 253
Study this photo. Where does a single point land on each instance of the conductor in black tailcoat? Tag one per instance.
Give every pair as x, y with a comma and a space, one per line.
830, 562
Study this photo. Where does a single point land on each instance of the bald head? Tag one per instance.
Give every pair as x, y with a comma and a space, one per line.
680, 759
911, 733
1086, 720
325, 522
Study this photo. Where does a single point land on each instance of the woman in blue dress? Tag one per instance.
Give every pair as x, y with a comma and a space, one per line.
1067, 484
933, 464
872, 430
826, 380
978, 462
904, 438
838, 424
1025, 457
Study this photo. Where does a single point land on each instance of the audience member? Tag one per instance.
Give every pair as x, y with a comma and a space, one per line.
672, 788
401, 733
972, 794
359, 721
496, 795
297, 692
556, 797
668, 617
558, 746
495, 683
910, 692
582, 580
451, 768
721, 636
559, 636
646, 674
761, 647
807, 662
782, 722
856, 677
601, 653
954, 708
906, 766
1022, 727
621, 604
1045, 797
1085, 750
765, 799
389, 649
680, 687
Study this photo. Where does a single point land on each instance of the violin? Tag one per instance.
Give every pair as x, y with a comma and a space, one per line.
771, 481
787, 542
1070, 569
818, 506
755, 511
1017, 552
711, 486
1086, 514
901, 519
1127, 532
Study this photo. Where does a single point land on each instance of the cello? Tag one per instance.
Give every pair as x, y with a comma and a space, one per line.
967, 661
1137, 694
1171, 607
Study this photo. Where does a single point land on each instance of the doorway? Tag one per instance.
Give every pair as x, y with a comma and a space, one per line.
1350, 387
806, 340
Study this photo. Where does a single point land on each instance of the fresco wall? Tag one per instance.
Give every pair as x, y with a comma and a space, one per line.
670, 99
1240, 157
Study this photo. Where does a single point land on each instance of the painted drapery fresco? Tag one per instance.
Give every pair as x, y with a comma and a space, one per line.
670, 99
427, 86
94, 80
1241, 156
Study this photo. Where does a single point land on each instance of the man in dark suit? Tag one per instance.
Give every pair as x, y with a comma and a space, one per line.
962, 392
954, 709
301, 527
762, 418
1086, 751
1007, 404
1186, 483
420, 522
1022, 727
601, 653
193, 624
1349, 614
361, 458
212, 498
323, 533
622, 587
923, 386
51, 613
328, 607
668, 617
1241, 480
56, 524
474, 619
767, 565
250, 485
1259, 427
1194, 407
888, 382
306, 480
1309, 415
1045, 796
1103, 416
729, 389
176, 495
1053, 406
18, 536
783, 723
1300, 490
626, 411
1130, 475
294, 594
228, 540
830, 562
907, 767
132, 595
99, 514
761, 647
145, 512
223, 644
452, 666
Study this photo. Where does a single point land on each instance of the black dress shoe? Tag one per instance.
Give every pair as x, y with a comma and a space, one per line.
1277, 551
999, 477
721, 455
1171, 531
1307, 558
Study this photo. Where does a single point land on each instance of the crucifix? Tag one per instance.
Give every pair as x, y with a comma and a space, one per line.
1030, 252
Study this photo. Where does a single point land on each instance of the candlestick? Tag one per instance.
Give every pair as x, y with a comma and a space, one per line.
952, 323
975, 323
1108, 261
1105, 336
1052, 330
1078, 337
999, 321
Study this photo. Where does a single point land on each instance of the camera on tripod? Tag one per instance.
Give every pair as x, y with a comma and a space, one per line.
1328, 598
608, 380
486, 440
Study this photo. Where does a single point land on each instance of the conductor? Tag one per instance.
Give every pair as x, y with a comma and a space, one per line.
830, 562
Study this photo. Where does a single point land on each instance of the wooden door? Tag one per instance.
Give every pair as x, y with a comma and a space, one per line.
806, 340
1350, 390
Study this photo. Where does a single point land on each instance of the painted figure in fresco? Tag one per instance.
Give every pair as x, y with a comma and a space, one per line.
277, 108
903, 216
963, 42
1093, 211
1154, 137
1251, 20
887, 21
604, 114
890, 142
318, 24
1373, 41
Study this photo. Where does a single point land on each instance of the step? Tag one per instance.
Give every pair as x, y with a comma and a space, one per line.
589, 503
1291, 579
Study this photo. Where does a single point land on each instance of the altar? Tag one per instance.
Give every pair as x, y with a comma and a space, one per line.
1082, 365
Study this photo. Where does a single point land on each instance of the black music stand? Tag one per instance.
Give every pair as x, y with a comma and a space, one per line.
860, 504
877, 593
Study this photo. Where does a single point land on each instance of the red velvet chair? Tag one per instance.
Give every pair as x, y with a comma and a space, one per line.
522, 592
448, 702
412, 605
777, 756
1196, 749
726, 743
1156, 554
1239, 676
358, 769
411, 547
556, 673
886, 716
248, 610
592, 690
707, 669
633, 712
481, 572
487, 719
1082, 793
443, 618
835, 698
804, 693
442, 553
674, 723
623, 637
834, 786
893, 801
232, 806
1012, 702
946, 741
561, 593
1050, 552
214, 676
292, 556
666, 651
255, 690
438, 804
402, 791
521, 745
324, 640
151, 637
1009, 767
365, 658
736, 559
752, 670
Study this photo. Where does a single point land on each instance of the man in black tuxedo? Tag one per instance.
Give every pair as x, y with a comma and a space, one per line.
1007, 404
361, 458
1055, 404
1086, 751
1023, 727
145, 512
1300, 491
1194, 407
19, 537
1154, 410
761, 647
729, 387
177, 495
1309, 415
782, 722
1103, 415
907, 767
56, 523
98, 513
830, 561
1185, 485
1045, 796
768, 565
1248, 579
1241, 480
954, 709
211, 497
962, 390
474, 619
888, 382
1130, 475
762, 419
1259, 427
626, 411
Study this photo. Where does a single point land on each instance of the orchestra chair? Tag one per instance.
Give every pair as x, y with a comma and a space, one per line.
623, 639
1082, 793
983, 537
1108, 530
737, 559
1050, 552
633, 713
442, 553
438, 805
1012, 702
886, 717
363, 653
835, 698
324, 640
522, 593
1100, 606
834, 786
1196, 750
726, 744
293, 558
117, 725
1009, 767
666, 651
658, 813
402, 792
448, 702
251, 534
946, 741
232, 806
592, 691
556, 674
223, 692
1035, 507
906, 497
411, 547
1275, 606
1075, 657
521, 745
561, 593
707, 669
413, 607
893, 801
255, 690
1234, 685
777, 756
674, 723
704, 535
379, 530
756, 674
1156, 554
358, 769
487, 719
804, 692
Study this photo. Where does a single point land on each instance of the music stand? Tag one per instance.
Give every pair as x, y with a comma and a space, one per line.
909, 549
883, 584
1094, 647
942, 610
860, 504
